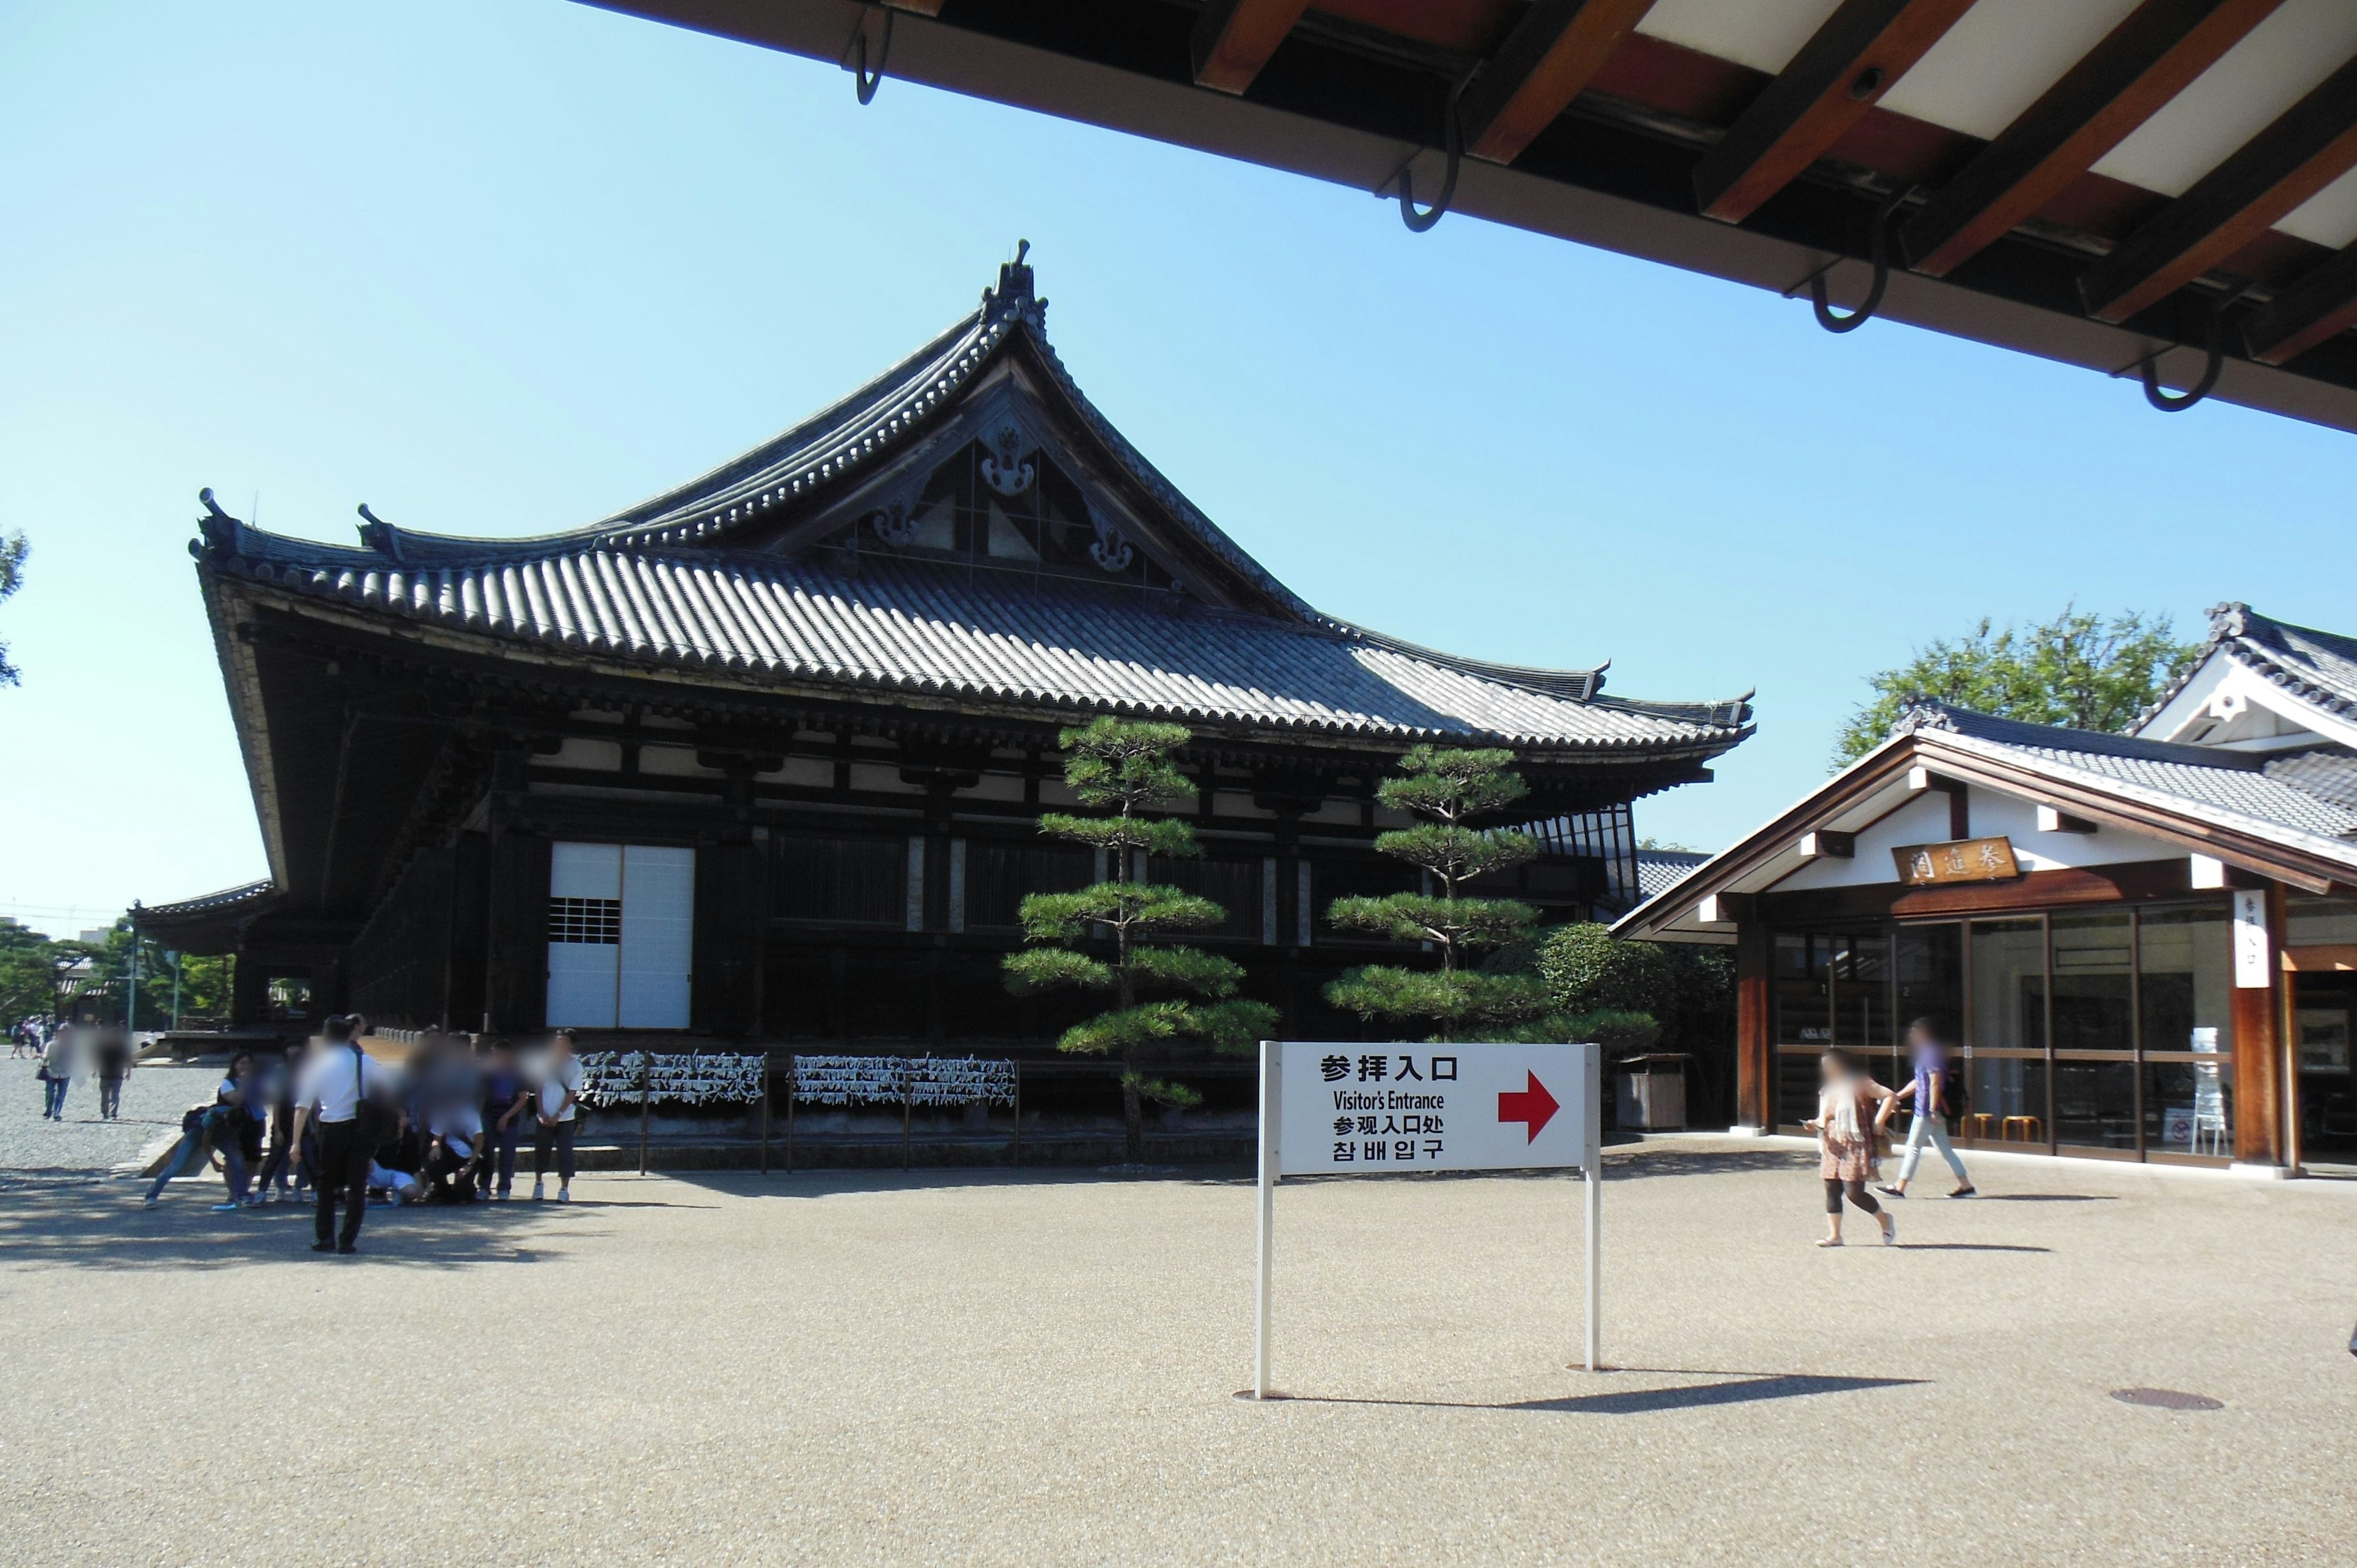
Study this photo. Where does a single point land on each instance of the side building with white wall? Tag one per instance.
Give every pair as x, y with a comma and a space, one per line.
2145, 944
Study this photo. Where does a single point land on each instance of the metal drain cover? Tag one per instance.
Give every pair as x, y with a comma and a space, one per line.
2167, 1398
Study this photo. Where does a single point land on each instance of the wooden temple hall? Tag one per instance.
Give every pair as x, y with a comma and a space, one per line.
761, 756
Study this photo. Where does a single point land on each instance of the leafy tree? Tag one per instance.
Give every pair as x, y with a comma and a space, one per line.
1449, 788
27, 972
13, 550
2078, 669
1125, 768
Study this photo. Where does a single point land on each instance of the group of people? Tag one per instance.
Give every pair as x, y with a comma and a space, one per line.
443, 1126
70, 1051
1853, 1112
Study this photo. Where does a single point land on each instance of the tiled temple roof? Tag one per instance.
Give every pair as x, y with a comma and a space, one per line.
998, 635
2234, 789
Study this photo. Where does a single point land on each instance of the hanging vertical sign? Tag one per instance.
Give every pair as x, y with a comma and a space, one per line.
1384, 1109
2252, 966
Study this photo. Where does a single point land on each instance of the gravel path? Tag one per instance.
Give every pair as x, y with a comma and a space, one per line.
82, 1148
863, 1369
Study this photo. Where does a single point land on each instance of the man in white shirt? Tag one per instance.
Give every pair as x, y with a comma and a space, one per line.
336, 1079
560, 1103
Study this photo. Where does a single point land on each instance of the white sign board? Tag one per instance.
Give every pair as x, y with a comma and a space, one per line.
2250, 955
1359, 1109
1366, 1109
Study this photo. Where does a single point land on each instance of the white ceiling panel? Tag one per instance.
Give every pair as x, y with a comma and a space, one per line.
2330, 217
1762, 33
2274, 68
1994, 63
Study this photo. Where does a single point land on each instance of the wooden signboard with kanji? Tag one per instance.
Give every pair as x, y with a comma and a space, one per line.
1960, 860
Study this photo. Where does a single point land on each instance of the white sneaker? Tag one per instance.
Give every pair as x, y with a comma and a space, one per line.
564, 1195
537, 1192
1889, 1231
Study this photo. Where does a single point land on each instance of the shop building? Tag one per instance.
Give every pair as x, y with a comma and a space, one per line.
763, 757
2147, 943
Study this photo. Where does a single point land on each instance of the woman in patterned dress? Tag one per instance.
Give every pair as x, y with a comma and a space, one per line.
1851, 1110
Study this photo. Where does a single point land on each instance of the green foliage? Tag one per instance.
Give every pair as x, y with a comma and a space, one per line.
1163, 995
2078, 669
1450, 1002
13, 552
1459, 924
1135, 907
1586, 970
1448, 787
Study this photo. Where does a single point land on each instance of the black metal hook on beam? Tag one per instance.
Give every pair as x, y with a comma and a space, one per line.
866, 81
2213, 361
1822, 305
1452, 133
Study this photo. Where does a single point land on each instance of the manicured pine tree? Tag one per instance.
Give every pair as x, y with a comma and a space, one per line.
1161, 993
1448, 787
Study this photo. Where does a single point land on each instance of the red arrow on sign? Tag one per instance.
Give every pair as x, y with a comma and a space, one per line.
1533, 1106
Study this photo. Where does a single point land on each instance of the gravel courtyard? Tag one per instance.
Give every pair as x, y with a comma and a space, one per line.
869, 1368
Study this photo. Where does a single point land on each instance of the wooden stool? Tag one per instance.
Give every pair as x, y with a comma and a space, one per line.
2033, 1130
1980, 1122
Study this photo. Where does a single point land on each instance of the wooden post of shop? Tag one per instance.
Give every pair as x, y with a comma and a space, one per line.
1755, 1068
646, 1084
2258, 1050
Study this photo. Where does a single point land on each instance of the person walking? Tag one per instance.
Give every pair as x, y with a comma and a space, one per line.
219, 1127
113, 1061
1851, 1110
1936, 1093
505, 1101
560, 1100
340, 1087
57, 1069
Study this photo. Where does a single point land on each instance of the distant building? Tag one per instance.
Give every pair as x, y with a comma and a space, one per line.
2147, 942
764, 756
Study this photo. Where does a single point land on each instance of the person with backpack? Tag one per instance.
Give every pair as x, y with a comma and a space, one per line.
345, 1092
1937, 1090
56, 1070
219, 1127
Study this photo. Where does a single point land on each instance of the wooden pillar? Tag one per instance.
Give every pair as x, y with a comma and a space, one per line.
1755, 1076
2258, 1012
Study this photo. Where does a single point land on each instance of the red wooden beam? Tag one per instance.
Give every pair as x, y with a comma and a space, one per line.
1550, 57
2321, 304
2153, 55
1854, 58
2307, 147
1234, 38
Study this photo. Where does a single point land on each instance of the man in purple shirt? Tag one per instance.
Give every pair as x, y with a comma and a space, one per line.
1932, 1089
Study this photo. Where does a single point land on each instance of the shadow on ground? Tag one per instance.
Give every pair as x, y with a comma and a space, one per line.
1744, 1389
93, 1225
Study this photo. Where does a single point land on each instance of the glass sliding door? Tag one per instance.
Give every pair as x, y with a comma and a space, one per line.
2185, 983
1861, 995
2005, 1070
1801, 977
1929, 961
2094, 1004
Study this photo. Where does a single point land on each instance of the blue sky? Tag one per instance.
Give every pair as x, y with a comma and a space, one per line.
502, 267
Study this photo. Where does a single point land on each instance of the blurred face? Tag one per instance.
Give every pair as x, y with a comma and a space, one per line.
241, 1065
1830, 1068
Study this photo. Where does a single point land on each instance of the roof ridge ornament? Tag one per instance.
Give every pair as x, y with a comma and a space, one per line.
1014, 299
379, 535
1922, 713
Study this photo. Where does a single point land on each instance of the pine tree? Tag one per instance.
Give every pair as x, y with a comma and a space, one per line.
1448, 787
1127, 768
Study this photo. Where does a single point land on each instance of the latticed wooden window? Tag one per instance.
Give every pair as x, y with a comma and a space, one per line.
585, 921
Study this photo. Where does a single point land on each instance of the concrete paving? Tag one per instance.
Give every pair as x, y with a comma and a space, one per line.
877, 1368
80, 1149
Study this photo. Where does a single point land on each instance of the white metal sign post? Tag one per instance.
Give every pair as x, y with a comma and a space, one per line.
1368, 1109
